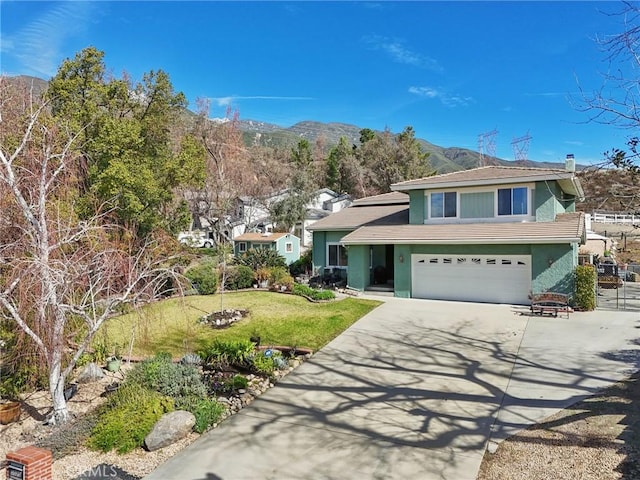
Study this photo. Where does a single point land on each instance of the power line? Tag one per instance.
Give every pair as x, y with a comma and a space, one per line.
487, 146
521, 147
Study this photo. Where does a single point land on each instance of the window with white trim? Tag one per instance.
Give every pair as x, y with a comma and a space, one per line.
242, 247
336, 255
513, 201
443, 205
288, 247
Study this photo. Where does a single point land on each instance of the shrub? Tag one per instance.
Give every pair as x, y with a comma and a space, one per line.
261, 274
585, 298
207, 412
280, 276
261, 258
312, 293
204, 277
130, 414
303, 265
267, 361
238, 277
235, 352
172, 379
191, 359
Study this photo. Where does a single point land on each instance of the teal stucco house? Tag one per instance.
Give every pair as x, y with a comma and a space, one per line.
286, 244
491, 234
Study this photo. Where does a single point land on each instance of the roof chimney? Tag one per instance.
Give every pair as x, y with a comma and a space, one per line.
570, 163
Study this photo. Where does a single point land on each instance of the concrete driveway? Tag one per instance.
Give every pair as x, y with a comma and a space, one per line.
416, 389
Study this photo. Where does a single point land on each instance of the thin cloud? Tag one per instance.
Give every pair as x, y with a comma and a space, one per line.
399, 53
226, 101
447, 99
548, 94
37, 46
575, 143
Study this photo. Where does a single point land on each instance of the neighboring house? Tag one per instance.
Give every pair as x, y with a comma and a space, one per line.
490, 234
596, 247
286, 244
254, 213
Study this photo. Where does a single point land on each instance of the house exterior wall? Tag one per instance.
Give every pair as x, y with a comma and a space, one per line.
358, 271
320, 241
557, 277
292, 256
337, 206
417, 207
480, 203
319, 199
552, 268
546, 202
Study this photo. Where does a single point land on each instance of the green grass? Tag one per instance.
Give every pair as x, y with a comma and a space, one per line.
172, 325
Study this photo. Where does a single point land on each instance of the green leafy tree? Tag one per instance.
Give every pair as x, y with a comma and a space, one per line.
291, 210
387, 158
342, 168
131, 163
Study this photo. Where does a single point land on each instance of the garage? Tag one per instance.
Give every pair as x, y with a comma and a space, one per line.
471, 278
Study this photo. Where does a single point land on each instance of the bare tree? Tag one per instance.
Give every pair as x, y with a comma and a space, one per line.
60, 278
229, 173
617, 102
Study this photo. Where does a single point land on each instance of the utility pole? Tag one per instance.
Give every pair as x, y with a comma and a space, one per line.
521, 148
487, 146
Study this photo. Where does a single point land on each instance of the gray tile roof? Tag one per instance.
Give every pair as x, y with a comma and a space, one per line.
356, 216
383, 199
485, 175
567, 228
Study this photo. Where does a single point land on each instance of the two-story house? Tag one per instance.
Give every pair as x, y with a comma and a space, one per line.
491, 234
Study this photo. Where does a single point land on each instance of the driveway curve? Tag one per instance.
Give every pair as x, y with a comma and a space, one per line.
416, 389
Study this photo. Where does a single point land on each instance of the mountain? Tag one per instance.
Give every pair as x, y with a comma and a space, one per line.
443, 159
255, 132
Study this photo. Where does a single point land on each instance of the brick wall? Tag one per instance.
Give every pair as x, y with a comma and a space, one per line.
37, 462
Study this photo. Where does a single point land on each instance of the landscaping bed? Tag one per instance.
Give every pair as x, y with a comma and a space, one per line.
68, 442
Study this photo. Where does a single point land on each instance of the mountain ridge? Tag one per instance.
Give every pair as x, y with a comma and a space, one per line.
257, 132
443, 159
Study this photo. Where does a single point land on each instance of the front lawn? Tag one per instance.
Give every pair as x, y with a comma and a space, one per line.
172, 325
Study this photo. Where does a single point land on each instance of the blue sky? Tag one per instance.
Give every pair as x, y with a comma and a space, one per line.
452, 70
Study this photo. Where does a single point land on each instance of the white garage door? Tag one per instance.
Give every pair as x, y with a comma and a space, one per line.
472, 278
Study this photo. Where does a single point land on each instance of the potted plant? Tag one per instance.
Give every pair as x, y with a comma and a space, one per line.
9, 410
262, 277
114, 361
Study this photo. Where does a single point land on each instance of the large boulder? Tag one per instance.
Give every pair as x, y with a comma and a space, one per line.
169, 429
90, 373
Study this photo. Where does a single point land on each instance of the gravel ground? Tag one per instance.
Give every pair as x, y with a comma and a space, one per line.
72, 460
596, 439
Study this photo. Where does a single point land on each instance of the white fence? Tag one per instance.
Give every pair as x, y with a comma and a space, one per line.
615, 218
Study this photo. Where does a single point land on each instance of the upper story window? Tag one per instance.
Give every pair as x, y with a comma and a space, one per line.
443, 205
288, 247
513, 201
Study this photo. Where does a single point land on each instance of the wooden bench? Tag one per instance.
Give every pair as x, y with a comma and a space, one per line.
550, 302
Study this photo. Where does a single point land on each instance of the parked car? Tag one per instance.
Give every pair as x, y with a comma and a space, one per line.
196, 238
